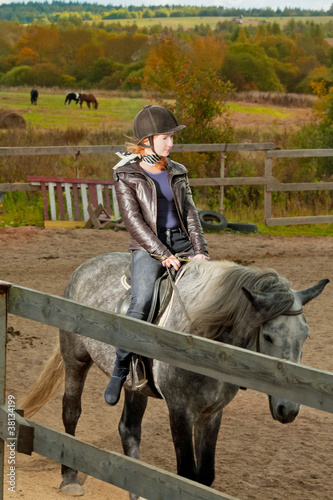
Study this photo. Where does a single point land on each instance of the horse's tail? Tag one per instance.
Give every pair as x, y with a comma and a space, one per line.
45, 386
96, 104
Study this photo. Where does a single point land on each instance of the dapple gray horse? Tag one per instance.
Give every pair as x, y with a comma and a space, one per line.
242, 306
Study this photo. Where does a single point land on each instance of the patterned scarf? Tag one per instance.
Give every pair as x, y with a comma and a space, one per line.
133, 157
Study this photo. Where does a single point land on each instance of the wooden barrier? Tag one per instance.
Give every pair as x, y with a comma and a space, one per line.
78, 192
269, 182
304, 186
238, 366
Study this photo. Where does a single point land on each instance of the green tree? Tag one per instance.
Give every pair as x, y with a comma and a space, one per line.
44, 74
67, 81
101, 67
248, 67
16, 76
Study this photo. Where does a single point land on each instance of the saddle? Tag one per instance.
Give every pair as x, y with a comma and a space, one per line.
141, 374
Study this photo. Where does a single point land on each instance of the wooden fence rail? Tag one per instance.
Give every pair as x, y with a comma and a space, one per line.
78, 193
317, 186
235, 365
268, 180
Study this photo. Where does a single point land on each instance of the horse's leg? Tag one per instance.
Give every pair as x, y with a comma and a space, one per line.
76, 370
181, 422
130, 426
206, 430
88, 104
130, 423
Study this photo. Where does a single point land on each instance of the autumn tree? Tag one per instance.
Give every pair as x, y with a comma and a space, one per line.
199, 95
28, 56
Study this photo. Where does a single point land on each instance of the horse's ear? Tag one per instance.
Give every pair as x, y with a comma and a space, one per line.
248, 294
255, 298
312, 292
264, 302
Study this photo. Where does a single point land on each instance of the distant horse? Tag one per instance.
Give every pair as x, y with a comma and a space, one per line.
33, 96
72, 96
237, 305
89, 99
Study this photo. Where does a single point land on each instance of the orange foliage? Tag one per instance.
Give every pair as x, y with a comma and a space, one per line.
41, 40
209, 53
88, 53
28, 57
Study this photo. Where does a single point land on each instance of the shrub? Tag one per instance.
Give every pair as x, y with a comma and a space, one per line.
16, 76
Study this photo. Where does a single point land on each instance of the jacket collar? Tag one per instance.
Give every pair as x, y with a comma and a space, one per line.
173, 168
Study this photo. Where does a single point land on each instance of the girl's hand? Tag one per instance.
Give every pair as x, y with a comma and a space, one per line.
171, 261
201, 256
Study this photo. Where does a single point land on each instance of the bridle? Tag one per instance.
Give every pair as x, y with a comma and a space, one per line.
283, 313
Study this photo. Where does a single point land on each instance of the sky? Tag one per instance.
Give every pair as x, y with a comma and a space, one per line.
242, 4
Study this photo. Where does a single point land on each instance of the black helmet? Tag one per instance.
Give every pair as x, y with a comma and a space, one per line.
152, 120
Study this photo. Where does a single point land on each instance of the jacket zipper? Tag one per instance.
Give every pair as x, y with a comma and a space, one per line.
176, 205
151, 182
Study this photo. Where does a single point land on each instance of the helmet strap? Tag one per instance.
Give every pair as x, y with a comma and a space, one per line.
150, 146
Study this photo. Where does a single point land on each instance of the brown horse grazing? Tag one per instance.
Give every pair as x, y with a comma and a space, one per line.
89, 99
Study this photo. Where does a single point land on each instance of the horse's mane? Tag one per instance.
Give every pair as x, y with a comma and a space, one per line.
217, 306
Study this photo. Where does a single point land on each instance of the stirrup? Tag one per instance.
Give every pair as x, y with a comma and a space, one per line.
136, 383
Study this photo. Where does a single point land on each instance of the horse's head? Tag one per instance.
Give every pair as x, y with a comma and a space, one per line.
283, 336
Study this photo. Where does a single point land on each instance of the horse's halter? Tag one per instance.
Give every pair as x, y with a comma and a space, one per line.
283, 313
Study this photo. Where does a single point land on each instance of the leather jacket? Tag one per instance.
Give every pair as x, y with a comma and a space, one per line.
137, 199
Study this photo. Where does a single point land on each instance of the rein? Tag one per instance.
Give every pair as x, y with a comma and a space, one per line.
176, 291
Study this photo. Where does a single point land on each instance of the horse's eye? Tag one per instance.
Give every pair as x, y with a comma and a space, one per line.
268, 338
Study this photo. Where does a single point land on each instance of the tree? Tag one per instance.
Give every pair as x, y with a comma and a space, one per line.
28, 56
248, 67
16, 76
199, 95
44, 74
168, 58
100, 68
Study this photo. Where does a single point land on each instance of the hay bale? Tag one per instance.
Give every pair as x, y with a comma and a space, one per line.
11, 119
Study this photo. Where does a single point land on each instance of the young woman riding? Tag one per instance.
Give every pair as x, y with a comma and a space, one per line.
157, 208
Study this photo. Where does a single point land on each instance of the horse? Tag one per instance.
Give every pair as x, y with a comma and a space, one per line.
72, 96
220, 300
33, 96
89, 99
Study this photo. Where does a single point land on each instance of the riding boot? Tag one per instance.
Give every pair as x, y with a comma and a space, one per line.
119, 375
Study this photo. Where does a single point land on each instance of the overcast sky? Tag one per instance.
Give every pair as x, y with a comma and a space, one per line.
242, 4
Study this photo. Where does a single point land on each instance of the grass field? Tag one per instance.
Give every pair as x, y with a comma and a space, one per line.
51, 112
113, 111
191, 22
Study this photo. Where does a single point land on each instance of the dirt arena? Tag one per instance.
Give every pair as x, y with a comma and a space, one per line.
257, 458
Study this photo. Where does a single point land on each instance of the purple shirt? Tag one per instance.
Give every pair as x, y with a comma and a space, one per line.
167, 217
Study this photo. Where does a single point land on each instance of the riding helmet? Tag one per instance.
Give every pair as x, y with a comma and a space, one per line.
153, 120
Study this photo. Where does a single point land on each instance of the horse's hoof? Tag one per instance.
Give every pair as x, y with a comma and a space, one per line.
72, 490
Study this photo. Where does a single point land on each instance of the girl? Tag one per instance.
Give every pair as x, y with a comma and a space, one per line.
158, 211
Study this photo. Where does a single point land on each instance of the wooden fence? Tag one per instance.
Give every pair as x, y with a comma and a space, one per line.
238, 366
268, 180
79, 193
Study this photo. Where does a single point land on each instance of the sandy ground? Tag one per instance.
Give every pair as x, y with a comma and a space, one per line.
257, 458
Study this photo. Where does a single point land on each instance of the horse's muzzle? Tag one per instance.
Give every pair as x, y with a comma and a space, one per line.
282, 410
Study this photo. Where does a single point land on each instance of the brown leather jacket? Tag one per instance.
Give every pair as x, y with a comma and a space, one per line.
137, 199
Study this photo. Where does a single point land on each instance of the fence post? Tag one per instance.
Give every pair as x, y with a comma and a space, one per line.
77, 163
3, 339
222, 167
267, 194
